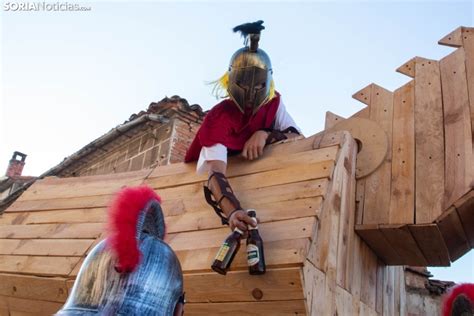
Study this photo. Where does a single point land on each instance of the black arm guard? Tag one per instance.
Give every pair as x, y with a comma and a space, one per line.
225, 191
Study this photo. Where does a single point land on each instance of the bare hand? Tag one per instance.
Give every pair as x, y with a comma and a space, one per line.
253, 147
240, 220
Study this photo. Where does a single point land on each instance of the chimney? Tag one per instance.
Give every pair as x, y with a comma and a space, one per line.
15, 167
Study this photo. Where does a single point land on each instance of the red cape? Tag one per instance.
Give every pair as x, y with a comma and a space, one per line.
226, 125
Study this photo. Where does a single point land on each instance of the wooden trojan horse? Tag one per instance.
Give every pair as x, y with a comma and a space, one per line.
341, 212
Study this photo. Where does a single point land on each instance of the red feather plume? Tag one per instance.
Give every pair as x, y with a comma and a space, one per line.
466, 289
122, 223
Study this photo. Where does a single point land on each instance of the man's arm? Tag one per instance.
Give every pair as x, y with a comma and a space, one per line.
231, 208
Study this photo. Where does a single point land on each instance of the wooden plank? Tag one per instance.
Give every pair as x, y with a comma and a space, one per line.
93, 215
332, 119
277, 308
240, 168
408, 68
32, 287
83, 202
295, 173
453, 234
465, 208
364, 95
388, 291
376, 240
329, 139
346, 220
368, 293
45, 247
273, 231
52, 231
275, 285
268, 212
402, 199
429, 141
283, 253
292, 146
356, 277
360, 197
51, 188
318, 301
249, 198
453, 39
377, 184
51, 266
349, 202
429, 239
19, 306
343, 302
468, 44
457, 127
309, 274
402, 240
380, 293
323, 252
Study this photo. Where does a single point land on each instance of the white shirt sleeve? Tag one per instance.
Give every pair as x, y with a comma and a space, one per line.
283, 120
214, 152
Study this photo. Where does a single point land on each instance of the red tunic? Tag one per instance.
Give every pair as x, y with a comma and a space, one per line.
225, 124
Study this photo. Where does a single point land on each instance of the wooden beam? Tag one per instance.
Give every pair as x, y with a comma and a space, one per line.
266, 212
47, 266
468, 45
402, 197
332, 119
465, 208
19, 306
457, 127
377, 241
277, 308
273, 231
83, 202
453, 233
92, 215
408, 68
278, 254
364, 95
429, 141
33, 287
274, 285
45, 247
50, 231
53, 188
401, 239
431, 242
453, 39
377, 184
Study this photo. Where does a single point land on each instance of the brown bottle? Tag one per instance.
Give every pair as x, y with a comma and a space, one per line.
227, 252
255, 256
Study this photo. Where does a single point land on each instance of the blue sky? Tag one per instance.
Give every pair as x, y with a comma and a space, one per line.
69, 77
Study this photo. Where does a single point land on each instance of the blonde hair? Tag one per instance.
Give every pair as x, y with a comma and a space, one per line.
220, 87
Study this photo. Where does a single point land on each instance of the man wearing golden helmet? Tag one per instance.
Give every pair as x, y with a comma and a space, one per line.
251, 117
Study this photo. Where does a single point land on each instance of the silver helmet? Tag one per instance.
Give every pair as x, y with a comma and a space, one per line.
250, 70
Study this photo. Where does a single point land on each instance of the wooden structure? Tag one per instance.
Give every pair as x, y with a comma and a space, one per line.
304, 192
415, 181
335, 209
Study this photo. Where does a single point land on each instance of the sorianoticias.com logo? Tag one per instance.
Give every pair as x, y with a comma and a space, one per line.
44, 6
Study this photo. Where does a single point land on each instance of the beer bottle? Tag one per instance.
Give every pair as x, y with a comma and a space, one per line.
255, 256
227, 252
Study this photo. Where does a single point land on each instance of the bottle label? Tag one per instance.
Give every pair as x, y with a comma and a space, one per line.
253, 256
222, 252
